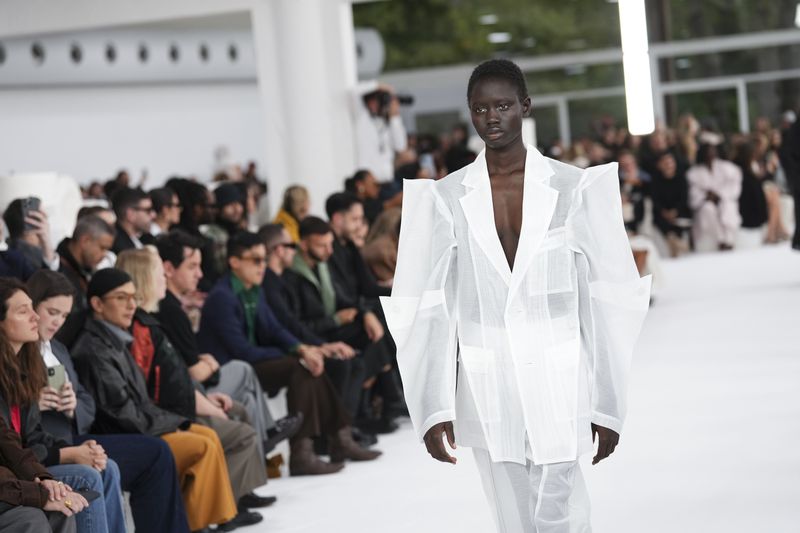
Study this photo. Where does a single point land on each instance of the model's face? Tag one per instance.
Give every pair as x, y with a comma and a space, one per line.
21, 324
94, 249
117, 306
52, 314
185, 277
497, 112
250, 267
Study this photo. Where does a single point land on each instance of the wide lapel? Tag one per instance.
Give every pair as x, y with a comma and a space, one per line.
478, 210
538, 205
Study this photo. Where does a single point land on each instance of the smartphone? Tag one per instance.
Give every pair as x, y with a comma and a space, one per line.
56, 376
89, 494
28, 205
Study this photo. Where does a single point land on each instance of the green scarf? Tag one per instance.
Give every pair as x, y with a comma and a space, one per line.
249, 299
323, 284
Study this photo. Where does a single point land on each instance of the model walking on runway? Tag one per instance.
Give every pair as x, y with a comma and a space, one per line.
515, 307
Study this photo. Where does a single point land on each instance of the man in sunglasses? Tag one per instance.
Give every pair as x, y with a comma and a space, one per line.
134, 210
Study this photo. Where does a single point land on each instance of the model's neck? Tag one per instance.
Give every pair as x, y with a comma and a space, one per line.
507, 159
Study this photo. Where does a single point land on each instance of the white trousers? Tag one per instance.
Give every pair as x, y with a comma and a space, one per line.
535, 499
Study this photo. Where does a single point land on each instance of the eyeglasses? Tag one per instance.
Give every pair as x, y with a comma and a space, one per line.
257, 260
122, 298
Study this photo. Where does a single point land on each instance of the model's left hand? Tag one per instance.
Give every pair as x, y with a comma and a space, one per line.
608, 442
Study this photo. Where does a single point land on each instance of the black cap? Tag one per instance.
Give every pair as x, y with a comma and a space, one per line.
106, 280
228, 193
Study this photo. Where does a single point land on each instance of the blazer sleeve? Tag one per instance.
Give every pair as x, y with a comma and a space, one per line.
21, 461
85, 411
612, 313
421, 312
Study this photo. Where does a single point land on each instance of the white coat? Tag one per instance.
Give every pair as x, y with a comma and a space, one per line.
543, 349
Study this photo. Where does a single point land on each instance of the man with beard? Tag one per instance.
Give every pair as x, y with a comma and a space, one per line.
230, 210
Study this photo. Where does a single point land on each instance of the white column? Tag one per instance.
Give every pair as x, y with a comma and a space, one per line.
305, 56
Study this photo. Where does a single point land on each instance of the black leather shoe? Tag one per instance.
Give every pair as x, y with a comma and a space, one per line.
365, 440
285, 428
244, 518
254, 501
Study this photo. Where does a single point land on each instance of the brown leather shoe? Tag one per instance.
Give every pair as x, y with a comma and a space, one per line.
304, 462
343, 447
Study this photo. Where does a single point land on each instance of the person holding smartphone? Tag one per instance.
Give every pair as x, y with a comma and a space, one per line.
82, 467
29, 232
146, 464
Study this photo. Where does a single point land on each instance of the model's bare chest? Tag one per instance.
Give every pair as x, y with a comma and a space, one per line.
507, 194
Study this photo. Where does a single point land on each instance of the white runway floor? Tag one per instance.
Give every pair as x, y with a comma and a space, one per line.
712, 442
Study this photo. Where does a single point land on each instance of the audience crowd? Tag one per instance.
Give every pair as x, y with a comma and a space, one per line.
139, 353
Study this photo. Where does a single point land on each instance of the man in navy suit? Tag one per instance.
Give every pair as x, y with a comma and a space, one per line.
237, 323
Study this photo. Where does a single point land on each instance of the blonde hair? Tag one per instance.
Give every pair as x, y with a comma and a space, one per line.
141, 266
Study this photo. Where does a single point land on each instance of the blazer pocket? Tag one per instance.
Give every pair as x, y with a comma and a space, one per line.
480, 366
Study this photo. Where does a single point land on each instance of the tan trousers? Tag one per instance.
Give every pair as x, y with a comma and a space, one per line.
205, 484
242, 451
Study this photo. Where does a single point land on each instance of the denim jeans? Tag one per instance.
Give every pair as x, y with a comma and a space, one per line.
105, 514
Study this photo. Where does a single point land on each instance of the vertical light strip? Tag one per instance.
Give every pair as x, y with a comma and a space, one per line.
636, 65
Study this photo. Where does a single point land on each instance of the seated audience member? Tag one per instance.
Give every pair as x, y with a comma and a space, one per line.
380, 249
230, 202
458, 154
30, 236
671, 212
329, 316
167, 209
356, 286
367, 189
134, 211
31, 501
181, 256
146, 466
83, 466
347, 375
295, 207
197, 209
237, 323
768, 167
108, 371
634, 185
171, 387
79, 257
752, 200
714, 189
350, 273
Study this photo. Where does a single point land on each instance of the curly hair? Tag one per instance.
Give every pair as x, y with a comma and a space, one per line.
498, 69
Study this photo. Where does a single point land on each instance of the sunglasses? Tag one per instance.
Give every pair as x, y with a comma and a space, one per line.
257, 260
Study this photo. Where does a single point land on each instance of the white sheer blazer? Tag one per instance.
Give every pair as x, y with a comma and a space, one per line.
543, 349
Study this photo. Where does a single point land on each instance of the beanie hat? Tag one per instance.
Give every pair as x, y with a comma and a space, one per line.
106, 280
228, 193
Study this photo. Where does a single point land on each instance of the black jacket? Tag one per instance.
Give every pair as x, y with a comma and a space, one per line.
123, 241
352, 279
169, 384
306, 302
79, 277
108, 371
282, 302
45, 446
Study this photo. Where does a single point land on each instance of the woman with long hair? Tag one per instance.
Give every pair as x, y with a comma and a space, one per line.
147, 467
21, 378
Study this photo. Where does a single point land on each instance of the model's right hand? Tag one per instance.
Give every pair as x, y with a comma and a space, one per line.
435, 444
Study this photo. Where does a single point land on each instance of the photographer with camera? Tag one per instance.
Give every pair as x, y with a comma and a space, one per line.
380, 133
